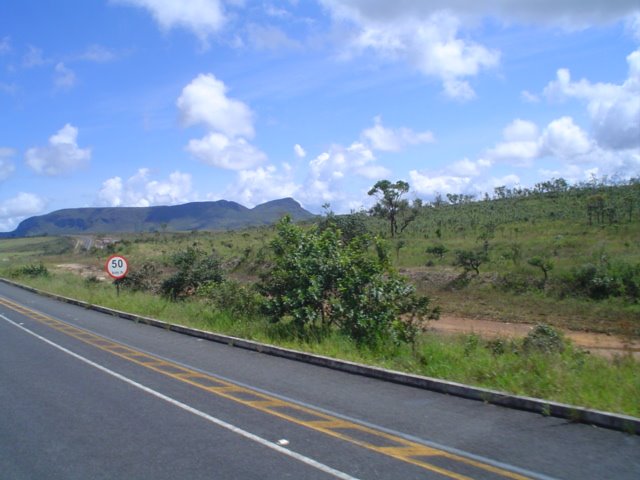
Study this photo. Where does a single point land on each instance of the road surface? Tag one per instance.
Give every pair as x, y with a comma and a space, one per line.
87, 395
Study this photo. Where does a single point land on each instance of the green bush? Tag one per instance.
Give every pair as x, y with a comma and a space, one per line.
617, 279
194, 269
33, 270
544, 339
319, 283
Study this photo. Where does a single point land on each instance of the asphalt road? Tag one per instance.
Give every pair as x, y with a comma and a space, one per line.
85, 395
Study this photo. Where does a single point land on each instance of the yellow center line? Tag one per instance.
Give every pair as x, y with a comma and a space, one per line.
379, 441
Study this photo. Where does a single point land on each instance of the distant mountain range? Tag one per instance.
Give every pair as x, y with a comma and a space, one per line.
219, 215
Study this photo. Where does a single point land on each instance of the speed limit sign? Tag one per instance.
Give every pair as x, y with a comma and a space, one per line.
117, 266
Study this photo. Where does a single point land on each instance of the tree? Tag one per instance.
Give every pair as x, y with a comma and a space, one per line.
319, 283
470, 260
544, 264
438, 250
392, 206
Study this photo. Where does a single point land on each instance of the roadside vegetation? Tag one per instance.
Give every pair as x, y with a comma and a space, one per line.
365, 286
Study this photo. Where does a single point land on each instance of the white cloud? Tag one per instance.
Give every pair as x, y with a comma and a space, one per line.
220, 151
614, 109
15, 209
205, 101
564, 139
428, 40
202, 17
394, 140
64, 77
61, 155
6, 165
140, 191
520, 146
262, 184
299, 151
229, 121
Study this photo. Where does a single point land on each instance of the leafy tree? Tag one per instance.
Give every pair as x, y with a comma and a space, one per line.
392, 206
438, 250
470, 260
318, 283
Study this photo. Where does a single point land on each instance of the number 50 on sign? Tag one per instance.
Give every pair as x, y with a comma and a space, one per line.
117, 266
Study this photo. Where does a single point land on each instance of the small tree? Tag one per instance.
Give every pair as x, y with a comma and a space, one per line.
544, 264
392, 207
438, 250
470, 260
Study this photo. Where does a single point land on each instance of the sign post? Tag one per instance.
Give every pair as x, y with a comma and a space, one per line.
117, 267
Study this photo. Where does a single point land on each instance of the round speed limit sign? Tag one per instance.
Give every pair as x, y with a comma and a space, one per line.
117, 266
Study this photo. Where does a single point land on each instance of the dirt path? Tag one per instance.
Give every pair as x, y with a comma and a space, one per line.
597, 343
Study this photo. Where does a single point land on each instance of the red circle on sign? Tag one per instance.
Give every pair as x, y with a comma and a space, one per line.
117, 266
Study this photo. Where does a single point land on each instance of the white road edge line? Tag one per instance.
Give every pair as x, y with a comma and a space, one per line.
221, 423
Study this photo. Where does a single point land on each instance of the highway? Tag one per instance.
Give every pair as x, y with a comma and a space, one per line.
84, 395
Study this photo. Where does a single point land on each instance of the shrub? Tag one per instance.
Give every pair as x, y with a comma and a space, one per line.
194, 268
544, 338
141, 279
318, 282
34, 270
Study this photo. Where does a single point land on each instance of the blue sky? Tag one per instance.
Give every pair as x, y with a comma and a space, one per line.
158, 102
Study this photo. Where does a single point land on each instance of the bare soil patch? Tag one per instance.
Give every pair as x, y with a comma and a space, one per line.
85, 271
596, 343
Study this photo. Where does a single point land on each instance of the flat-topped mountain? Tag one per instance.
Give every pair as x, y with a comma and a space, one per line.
219, 215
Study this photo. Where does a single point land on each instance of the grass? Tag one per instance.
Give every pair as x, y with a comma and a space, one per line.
571, 376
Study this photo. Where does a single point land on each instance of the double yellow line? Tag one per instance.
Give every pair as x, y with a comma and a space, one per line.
429, 458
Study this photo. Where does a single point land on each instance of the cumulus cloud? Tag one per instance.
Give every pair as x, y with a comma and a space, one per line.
520, 146
15, 209
205, 101
565, 140
523, 143
142, 191
229, 121
64, 78
61, 155
614, 109
259, 185
299, 151
202, 17
428, 40
393, 140
462, 176
6, 165
218, 150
